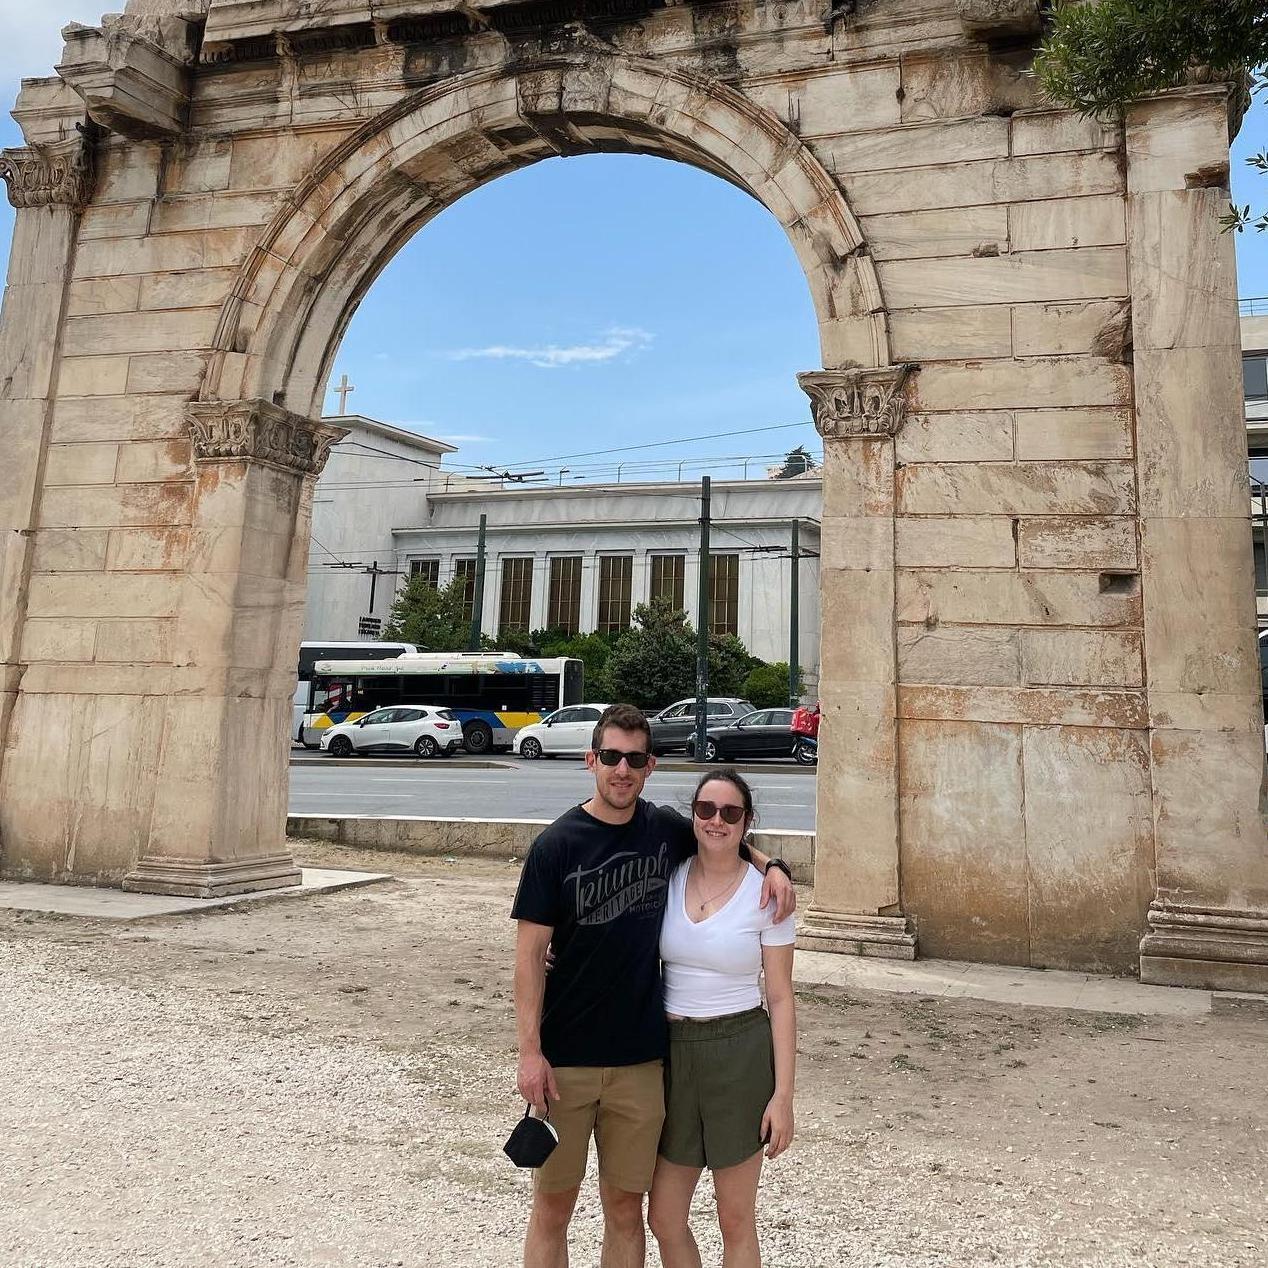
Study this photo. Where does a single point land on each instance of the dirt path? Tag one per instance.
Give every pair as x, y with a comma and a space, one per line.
328, 1081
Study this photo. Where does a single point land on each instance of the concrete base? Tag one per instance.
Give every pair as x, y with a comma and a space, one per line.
884, 937
1205, 948
112, 904
193, 878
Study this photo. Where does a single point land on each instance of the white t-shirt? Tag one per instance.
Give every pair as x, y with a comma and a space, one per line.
712, 967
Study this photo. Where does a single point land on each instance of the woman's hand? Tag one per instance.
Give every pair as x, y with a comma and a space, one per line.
777, 1125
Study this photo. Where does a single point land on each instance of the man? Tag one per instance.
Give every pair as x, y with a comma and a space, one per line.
593, 1035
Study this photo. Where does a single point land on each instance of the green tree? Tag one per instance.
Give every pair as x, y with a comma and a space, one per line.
767, 685
654, 662
1102, 54
796, 462
430, 617
593, 650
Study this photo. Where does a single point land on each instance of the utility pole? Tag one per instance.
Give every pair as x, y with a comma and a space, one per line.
702, 625
477, 608
794, 618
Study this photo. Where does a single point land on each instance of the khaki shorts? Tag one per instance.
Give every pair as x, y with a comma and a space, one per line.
623, 1107
721, 1076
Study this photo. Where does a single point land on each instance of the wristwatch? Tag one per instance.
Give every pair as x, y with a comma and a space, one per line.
779, 863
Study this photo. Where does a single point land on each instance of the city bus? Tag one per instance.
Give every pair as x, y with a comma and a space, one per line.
493, 693
311, 653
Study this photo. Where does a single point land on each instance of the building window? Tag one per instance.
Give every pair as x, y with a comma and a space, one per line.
517, 593
1255, 376
724, 594
427, 569
564, 611
464, 570
667, 578
616, 574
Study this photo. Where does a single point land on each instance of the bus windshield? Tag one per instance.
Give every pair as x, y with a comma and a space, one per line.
492, 693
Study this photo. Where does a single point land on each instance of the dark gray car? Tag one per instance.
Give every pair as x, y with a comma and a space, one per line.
676, 723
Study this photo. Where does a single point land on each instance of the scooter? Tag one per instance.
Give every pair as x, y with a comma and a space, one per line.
806, 751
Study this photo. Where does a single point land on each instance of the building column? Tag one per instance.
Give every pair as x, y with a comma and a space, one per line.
49, 186
219, 820
856, 900
1208, 924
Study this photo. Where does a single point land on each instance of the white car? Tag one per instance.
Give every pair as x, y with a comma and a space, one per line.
567, 730
422, 729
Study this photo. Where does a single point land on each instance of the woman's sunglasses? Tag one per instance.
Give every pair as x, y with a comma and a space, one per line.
705, 810
612, 757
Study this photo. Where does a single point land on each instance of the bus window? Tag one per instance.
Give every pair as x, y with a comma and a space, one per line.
330, 695
574, 682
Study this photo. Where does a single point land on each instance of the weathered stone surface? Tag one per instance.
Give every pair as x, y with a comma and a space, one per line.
959, 656
1082, 658
1031, 706
1089, 845
1076, 542
1064, 223
1033, 383
955, 541
985, 437
963, 844
1013, 598
1090, 273
1007, 297
1074, 433
1023, 488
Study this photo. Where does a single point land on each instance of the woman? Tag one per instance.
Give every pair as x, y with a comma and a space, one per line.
729, 1081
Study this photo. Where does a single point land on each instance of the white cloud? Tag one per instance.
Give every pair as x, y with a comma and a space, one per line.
614, 343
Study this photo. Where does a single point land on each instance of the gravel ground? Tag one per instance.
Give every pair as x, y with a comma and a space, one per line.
329, 1081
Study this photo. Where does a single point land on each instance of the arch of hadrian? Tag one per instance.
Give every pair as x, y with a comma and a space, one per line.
1043, 731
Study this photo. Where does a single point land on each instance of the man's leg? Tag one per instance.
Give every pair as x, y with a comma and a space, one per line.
627, 1131
546, 1244
736, 1190
557, 1183
669, 1214
624, 1241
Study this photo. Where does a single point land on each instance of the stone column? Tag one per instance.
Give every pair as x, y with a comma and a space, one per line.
218, 825
49, 186
1208, 925
856, 903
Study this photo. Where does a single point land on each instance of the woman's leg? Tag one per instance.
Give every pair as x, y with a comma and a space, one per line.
736, 1190
669, 1211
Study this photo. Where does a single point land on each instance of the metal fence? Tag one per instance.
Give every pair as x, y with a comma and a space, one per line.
1257, 306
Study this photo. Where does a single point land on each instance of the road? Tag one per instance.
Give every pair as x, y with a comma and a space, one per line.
517, 790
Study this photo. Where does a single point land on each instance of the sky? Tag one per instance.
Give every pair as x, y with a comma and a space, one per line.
603, 303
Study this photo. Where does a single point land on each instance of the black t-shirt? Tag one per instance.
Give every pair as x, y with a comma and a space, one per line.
602, 887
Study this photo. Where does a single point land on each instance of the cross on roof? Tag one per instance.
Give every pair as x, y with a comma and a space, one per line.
343, 388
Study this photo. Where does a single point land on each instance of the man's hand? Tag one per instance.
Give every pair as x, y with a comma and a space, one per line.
778, 887
536, 1081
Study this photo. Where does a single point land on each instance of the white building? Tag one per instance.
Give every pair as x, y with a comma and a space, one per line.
377, 477
579, 557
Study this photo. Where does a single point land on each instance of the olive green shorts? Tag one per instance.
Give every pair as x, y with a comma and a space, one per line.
719, 1079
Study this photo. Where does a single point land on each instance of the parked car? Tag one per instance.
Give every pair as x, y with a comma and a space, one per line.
566, 731
675, 723
762, 733
426, 731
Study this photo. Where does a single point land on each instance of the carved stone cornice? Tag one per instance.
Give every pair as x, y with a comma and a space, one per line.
857, 404
56, 174
256, 431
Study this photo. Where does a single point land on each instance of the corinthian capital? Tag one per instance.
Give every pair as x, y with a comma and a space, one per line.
59, 173
849, 404
255, 431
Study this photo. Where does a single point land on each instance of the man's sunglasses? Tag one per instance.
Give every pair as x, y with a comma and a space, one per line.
705, 810
612, 757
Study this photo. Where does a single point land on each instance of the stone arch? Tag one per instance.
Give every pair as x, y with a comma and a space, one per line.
326, 244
